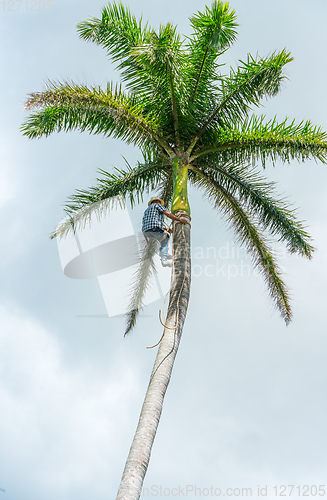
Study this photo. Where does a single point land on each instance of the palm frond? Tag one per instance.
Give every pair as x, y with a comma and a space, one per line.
260, 140
74, 107
79, 219
148, 61
161, 61
160, 52
165, 189
243, 89
257, 195
249, 236
131, 184
141, 279
214, 32
119, 32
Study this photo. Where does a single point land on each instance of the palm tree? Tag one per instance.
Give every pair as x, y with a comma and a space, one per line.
193, 125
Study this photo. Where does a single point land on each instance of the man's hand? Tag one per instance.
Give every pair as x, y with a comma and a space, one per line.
174, 217
184, 221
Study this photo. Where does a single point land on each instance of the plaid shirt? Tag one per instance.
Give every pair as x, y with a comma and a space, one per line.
153, 217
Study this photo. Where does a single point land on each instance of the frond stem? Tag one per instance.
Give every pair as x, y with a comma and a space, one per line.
173, 101
199, 75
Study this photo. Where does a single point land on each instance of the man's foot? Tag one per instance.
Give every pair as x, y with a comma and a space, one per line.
166, 262
169, 257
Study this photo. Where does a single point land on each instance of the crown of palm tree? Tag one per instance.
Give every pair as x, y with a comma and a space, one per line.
193, 124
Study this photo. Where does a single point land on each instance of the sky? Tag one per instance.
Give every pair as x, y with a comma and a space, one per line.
246, 406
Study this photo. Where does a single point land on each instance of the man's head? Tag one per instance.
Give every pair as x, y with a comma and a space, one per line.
155, 200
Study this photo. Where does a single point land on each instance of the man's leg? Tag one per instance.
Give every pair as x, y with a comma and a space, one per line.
163, 238
164, 247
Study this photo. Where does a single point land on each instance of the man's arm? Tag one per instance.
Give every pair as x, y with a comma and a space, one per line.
173, 217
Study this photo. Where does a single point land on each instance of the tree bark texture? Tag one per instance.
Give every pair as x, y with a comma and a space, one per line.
139, 455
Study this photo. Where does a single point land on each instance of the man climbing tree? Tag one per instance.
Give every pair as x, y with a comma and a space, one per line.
152, 227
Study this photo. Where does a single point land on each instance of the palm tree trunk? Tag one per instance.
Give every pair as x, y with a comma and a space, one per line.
139, 455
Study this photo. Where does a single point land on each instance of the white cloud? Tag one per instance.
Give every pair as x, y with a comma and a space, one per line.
58, 425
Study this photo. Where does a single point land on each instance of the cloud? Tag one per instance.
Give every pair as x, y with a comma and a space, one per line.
59, 425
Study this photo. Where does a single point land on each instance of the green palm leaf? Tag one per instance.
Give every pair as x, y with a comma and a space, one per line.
120, 185
258, 197
74, 107
119, 32
244, 89
214, 32
161, 60
260, 140
148, 61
